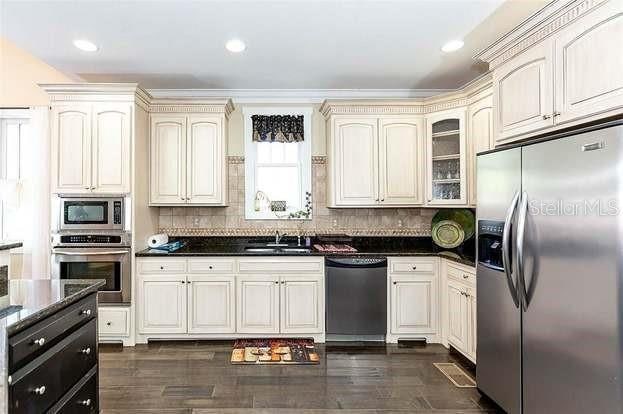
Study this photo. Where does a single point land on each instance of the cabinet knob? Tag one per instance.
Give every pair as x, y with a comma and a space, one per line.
86, 402
465, 276
86, 312
283, 282
161, 267
181, 281
276, 282
188, 282
86, 351
547, 116
210, 267
39, 341
40, 390
394, 283
414, 268
108, 323
382, 199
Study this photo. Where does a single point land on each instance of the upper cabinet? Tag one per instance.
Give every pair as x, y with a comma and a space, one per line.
375, 161
480, 137
188, 161
559, 69
91, 146
446, 158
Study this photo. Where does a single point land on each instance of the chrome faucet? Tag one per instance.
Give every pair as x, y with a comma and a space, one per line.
278, 237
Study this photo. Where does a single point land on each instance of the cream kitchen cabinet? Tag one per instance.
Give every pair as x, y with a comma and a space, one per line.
162, 303
560, 68
446, 158
302, 304
523, 93
588, 65
460, 308
480, 138
211, 303
258, 304
91, 145
114, 324
375, 161
188, 160
413, 299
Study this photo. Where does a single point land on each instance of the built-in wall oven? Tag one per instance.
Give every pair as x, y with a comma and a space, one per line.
95, 256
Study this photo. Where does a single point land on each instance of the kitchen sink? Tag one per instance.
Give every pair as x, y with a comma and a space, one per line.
295, 249
276, 250
260, 249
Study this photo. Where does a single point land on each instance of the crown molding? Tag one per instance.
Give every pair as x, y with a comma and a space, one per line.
541, 25
265, 96
223, 106
97, 92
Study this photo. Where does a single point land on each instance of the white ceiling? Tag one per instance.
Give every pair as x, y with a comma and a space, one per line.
302, 44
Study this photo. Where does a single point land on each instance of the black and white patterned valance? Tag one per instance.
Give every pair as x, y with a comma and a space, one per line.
277, 128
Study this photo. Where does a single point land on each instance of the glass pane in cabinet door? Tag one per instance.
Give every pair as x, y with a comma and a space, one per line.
446, 171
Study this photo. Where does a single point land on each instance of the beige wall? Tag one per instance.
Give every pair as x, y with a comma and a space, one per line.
236, 128
19, 74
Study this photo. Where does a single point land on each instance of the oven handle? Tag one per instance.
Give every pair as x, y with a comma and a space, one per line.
92, 253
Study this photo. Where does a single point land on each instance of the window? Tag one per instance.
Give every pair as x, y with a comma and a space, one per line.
277, 174
14, 165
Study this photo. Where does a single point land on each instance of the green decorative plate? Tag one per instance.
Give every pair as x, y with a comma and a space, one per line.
447, 234
463, 217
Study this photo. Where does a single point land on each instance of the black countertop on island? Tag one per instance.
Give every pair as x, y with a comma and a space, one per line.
10, 244
366, 246
30, 302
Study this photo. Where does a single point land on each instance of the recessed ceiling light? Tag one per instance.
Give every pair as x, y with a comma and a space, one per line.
85, 45
235, 45
452, 45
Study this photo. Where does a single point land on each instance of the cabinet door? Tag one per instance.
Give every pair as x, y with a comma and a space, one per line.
400, 161
111, 148
257, 304
162, 304
302, 304
589, 64
211, 304
472, 322
168, 160
413, 302
71, 148
522, 93
479, 138
355, 158
446, 158
204, 161
457, 316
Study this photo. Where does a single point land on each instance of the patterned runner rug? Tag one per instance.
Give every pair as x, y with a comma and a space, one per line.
274, 351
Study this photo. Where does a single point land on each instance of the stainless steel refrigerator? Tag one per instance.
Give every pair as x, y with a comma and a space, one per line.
550, 273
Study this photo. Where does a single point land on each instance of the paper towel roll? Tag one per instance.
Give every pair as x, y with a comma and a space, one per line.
157, 240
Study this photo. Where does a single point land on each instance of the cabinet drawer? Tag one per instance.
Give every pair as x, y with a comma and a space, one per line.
164, 266
42, 382
114, 322
412, 265
210, 265
81, 399
280, 265
461, 274
34, 341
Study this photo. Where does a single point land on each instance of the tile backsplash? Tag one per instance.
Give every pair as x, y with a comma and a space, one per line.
230, 221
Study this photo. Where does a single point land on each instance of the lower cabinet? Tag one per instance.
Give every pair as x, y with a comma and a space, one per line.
199, 303
413, 298
461, 310
114, 323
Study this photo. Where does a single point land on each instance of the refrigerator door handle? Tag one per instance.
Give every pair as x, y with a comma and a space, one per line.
521, 230
506, 251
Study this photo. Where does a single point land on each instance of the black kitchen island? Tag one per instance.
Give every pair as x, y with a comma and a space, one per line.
48, 347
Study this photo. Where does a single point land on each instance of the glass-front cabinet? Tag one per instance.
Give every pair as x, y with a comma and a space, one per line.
446, 172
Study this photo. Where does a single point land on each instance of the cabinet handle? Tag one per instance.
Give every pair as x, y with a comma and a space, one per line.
188, 282
86, 351
382, 199
465, 276
86, 312
92, 188
283, 282
39, 341
87, 188
556, 113
40, 390
86, 402
546, 117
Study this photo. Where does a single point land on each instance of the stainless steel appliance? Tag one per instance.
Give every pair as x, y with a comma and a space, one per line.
84, 212
550, 274
356, 298
95, 256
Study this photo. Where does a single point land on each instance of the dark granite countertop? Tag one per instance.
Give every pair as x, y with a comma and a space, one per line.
37, 299
366, 246
10, 244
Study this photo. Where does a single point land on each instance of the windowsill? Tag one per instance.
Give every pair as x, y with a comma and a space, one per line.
269, 215
10, 244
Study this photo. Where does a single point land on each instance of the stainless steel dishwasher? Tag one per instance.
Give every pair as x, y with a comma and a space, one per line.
356, 298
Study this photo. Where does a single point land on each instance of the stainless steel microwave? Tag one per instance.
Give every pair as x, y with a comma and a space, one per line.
91, 213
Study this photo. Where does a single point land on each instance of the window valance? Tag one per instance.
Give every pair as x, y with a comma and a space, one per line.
278, 128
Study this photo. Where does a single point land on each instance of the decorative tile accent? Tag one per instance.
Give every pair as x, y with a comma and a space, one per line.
230, 220
234, 159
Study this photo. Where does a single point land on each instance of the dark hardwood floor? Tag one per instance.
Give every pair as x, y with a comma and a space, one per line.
197, 378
